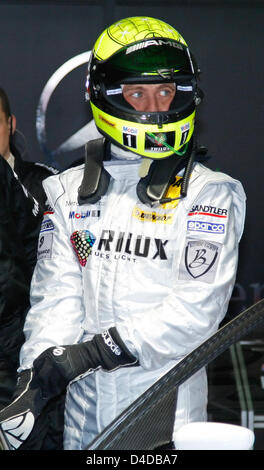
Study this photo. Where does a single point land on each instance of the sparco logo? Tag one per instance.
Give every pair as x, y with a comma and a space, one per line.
153, 42
58, 351
198, 226
111, 344
137, 245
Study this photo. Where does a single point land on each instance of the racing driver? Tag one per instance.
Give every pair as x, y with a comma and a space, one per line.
138, 253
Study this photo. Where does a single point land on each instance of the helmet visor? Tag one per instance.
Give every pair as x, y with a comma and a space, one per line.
148, 61
163, 97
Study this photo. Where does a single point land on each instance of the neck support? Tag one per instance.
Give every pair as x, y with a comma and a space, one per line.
151, 189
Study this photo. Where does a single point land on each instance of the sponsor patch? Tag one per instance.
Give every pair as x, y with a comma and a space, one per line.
82, 242
46, 225
45, 245
83, 214
71, 203
152, 216
114, 91
130, 130
121, 243
200, 261
130, 137
156, 143
184, 132
184, 88
208, 227
200, 209
109, 123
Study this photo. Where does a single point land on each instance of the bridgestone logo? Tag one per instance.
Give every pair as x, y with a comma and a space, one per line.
153, 42
111, 344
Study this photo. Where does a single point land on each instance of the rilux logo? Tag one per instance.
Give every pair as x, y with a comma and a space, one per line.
131, 244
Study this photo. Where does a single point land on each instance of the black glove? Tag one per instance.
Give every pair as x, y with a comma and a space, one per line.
52, 371
57, 366
18, 418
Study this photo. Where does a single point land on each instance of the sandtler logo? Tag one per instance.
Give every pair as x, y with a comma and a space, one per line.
201, 209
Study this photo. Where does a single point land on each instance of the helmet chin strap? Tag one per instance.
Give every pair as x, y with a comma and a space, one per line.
151, 188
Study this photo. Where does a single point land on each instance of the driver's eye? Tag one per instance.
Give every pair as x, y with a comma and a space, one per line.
166, 92
137, 94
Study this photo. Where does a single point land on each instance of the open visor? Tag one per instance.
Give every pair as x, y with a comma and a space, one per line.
183, 101
147, 60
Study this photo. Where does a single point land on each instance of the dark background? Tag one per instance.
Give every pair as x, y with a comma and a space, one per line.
227, 39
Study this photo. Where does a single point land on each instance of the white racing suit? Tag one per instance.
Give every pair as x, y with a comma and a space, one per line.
163, 277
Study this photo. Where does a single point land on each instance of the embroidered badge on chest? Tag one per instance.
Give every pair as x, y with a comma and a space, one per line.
82, 242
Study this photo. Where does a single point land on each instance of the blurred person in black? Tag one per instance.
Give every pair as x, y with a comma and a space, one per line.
22, 203
19, 227
30, 174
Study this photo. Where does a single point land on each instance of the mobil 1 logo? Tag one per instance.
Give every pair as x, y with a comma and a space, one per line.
130, 137
199, 261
